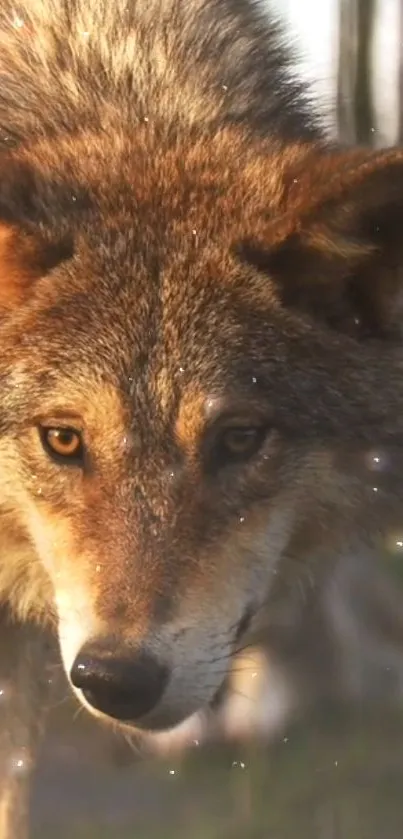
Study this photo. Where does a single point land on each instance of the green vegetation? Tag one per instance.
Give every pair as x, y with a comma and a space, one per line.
340, 777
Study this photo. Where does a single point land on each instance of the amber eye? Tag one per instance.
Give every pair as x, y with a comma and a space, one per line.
237, 444
63, 444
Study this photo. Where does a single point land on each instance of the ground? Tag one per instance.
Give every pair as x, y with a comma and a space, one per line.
338, 777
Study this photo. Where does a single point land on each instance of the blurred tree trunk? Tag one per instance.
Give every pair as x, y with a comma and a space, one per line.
355, 105
347, 69
364, 105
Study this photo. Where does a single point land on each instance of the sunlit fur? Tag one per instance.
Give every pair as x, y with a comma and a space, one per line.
181, 248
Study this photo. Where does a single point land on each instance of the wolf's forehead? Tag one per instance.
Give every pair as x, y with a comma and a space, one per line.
120, 371
147, 321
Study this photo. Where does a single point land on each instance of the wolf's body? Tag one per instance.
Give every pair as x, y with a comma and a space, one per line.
200, 330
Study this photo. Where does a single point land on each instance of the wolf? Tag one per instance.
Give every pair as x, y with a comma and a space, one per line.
200, 323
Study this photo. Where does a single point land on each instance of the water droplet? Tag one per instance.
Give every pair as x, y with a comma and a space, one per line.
242, 519
5, 691
181, 369
17, 22
295, 180
394, 543
74, 197
254, 380
20, 763
172, 771
376, 460
224, 87
146, 119
98, 569
374, 489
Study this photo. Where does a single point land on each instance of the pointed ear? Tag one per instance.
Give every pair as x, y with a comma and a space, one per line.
337, 253
25, 257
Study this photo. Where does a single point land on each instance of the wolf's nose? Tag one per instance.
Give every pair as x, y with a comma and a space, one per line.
124, 686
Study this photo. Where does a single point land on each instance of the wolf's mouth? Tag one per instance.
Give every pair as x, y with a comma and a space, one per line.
205, 721
198, 728
218, 700
244, 625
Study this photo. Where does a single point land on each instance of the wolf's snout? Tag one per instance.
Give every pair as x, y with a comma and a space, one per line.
121, 685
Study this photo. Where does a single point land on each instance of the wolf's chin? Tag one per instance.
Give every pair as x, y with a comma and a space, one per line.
191, 732
187, 732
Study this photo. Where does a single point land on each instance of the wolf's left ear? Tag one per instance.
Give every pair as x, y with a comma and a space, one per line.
25, 257
337, 252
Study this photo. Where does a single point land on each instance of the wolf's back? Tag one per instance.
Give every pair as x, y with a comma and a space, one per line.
66, 65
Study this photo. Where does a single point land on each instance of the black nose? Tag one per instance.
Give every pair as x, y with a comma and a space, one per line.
124, 684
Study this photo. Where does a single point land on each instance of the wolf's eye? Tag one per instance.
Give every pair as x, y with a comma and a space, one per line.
63, 444
237, 444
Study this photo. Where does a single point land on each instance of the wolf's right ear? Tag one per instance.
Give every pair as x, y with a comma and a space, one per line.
25, 257
335, 252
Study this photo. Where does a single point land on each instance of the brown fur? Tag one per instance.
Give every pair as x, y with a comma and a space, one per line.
211, 262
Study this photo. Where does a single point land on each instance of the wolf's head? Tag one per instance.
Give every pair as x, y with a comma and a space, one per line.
191, 337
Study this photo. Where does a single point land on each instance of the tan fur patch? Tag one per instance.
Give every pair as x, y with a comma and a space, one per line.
23, 580
162, 388
191, 420
20, 265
